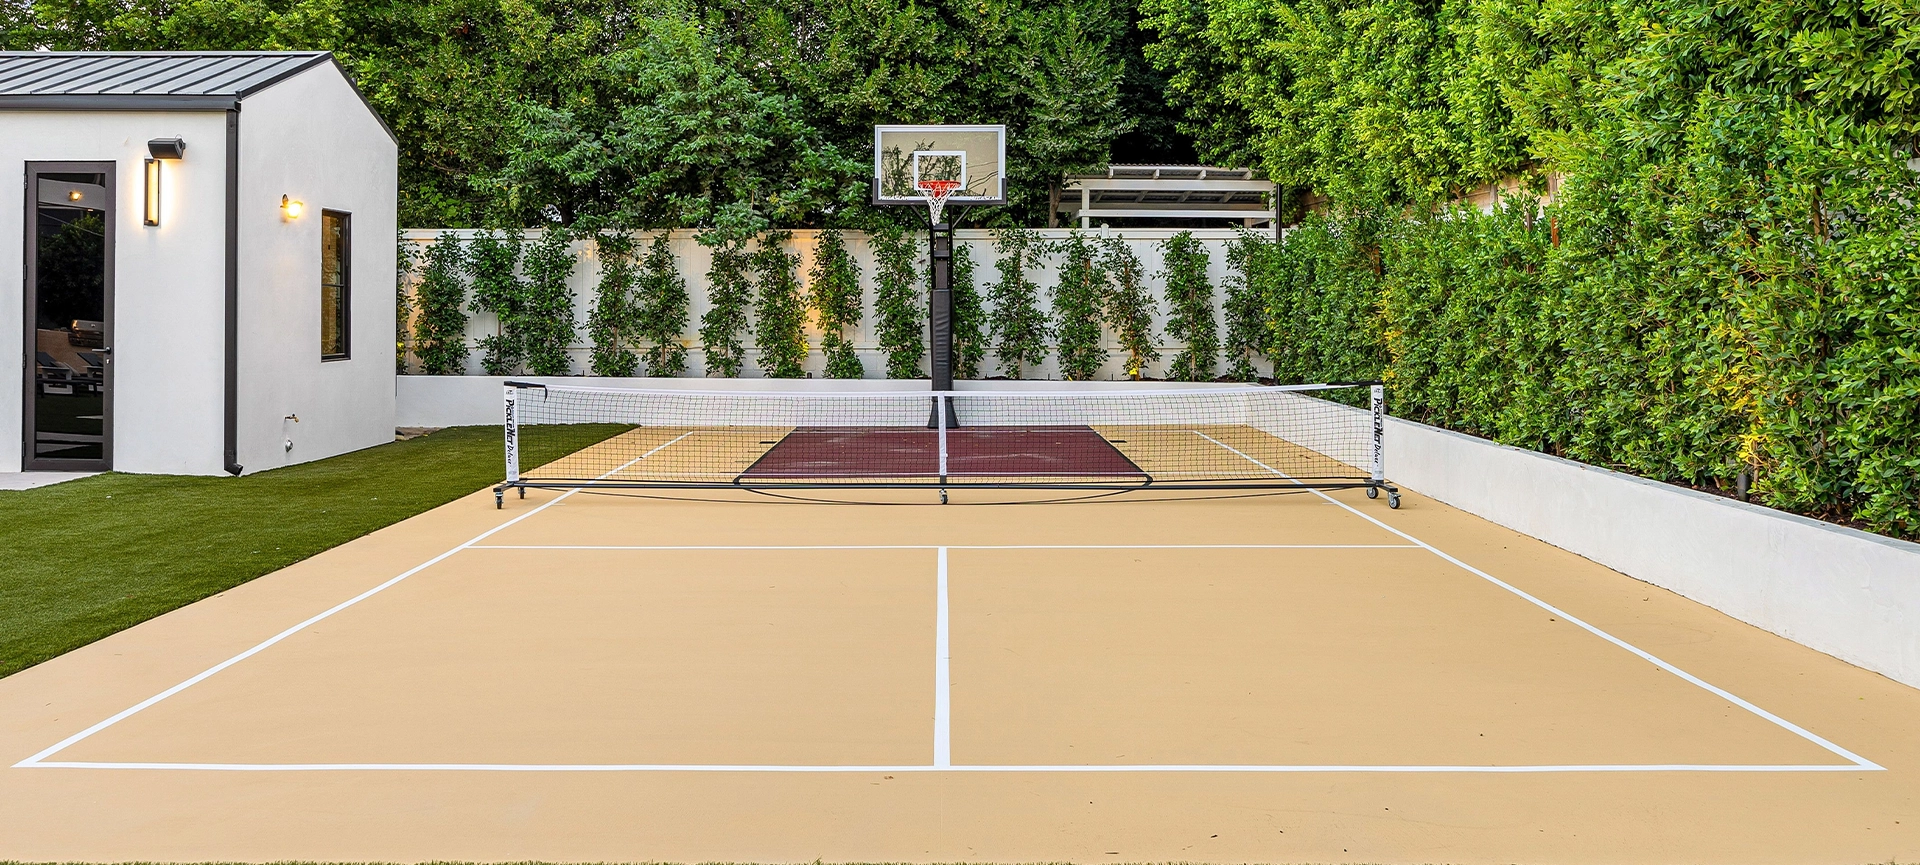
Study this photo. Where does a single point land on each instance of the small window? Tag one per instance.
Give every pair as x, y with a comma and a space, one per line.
336, 250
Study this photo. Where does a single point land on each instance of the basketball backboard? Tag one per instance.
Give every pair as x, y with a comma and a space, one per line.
905, 158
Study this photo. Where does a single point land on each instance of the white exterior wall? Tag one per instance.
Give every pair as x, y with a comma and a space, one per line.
168, 309
310, 137
694, 260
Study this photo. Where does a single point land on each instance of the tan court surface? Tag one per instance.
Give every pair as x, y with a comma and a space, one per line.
1276, 679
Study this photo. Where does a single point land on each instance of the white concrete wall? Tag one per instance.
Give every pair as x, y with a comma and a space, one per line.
311, 138
694, 261
1851, 594
168, 308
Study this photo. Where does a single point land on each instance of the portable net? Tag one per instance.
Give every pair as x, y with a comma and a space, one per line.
1195, 438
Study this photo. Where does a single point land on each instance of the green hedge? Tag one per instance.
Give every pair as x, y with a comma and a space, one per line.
1773, 354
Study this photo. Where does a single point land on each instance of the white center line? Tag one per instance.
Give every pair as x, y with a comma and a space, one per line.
942, 674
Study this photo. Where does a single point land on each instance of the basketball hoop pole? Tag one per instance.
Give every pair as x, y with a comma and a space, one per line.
940, 317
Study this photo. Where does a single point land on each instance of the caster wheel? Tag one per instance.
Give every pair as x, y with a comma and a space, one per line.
943, 497
1373, 492
499, 501
523, 492
1393, 501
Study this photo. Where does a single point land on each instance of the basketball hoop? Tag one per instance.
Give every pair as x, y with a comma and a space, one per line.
938, 191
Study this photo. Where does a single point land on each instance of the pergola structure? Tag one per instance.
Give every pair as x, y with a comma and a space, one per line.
1169, 192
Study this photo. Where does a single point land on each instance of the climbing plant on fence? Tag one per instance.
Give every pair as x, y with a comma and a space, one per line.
547, 321
402, 301
729, 297
969, 317
834, 289
440, 327
897, 303
492, 258
1129, 305
1190, 301
1245, 307
1079, 288
1018, 326
780, 313
613, 321
660, 309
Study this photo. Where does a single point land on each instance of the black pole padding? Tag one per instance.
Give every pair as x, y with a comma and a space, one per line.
940, 317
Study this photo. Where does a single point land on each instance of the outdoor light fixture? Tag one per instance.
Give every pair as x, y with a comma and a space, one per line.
74, 195
158, 149
291, 208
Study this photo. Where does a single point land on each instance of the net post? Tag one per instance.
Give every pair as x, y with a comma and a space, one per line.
940, 413
512, 435
1379, 407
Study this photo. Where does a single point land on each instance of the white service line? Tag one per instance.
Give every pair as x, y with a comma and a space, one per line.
40, 758
1857, 760
1151, 767
646, 547
942, 670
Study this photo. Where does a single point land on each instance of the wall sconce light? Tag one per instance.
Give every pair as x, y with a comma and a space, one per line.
291, 208
158, 149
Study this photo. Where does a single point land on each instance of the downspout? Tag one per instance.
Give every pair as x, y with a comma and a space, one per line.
231, 429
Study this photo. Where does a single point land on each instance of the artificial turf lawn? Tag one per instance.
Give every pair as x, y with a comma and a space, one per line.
90, 557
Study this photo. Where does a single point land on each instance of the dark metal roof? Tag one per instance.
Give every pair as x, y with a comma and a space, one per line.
108, 80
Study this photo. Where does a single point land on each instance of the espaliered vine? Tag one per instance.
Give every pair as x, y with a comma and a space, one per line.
611, 324
779, 312
729, 297
1130, 306
835, 292
1078, 292
402, 300
898, 304
1245, 307
660, 309
492, 258
440, 328
548, 321
1019, 328
1190, 298
969, 317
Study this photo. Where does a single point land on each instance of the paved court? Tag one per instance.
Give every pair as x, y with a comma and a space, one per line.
1153, 676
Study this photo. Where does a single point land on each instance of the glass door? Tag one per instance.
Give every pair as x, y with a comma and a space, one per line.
70, 218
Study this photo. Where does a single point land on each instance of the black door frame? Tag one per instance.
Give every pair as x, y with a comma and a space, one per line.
31, 337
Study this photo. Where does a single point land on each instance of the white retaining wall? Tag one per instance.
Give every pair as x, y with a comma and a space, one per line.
1852, 594
694, 260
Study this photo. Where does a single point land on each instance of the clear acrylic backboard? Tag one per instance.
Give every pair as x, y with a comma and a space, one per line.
906, 157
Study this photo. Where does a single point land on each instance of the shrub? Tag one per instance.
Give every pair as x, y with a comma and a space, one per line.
1129, 305
493, 258
1245, 307
969, 318
547, 316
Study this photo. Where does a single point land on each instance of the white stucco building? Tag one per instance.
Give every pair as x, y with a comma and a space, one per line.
197, 273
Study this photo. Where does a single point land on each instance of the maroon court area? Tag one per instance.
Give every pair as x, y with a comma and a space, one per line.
854, 453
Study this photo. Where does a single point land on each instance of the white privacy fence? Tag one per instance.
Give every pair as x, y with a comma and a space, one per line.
693, 260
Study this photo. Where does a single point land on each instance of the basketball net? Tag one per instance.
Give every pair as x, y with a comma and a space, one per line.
938, 191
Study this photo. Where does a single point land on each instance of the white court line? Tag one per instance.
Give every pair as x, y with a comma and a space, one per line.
1857, 760
645, 547
1152, 767
63, 744
942, 671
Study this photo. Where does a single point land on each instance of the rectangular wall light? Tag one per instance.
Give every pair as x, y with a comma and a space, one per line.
153, 192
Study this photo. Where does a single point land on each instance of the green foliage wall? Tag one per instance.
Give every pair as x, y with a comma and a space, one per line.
493, 259
1190, 306
548, 322
969, 316
1130, 306
729, 298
